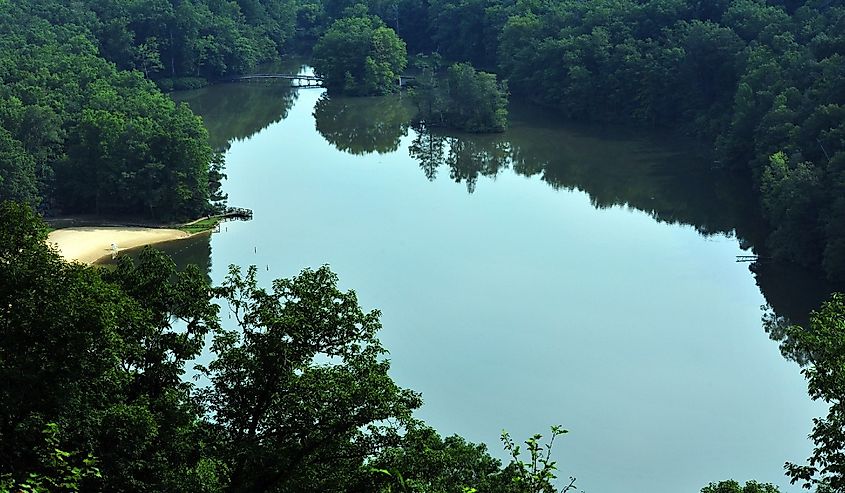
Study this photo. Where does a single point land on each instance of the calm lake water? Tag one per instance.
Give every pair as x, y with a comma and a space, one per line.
554, 274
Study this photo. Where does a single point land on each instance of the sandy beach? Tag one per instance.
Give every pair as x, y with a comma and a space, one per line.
87, 245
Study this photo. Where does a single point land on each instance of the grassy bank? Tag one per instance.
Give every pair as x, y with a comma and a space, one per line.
200, 225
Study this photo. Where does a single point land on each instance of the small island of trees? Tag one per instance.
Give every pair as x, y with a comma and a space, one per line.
360, 56
465, 99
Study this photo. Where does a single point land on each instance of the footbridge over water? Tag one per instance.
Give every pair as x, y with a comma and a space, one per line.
301, 80
296, 80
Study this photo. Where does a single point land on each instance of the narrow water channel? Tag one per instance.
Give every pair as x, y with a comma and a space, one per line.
554, 274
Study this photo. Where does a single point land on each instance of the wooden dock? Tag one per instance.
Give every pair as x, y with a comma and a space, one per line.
752, 258
236, 213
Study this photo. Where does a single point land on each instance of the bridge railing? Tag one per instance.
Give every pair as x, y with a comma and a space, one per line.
300, 77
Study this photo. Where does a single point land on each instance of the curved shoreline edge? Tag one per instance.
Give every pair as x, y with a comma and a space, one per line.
87, 245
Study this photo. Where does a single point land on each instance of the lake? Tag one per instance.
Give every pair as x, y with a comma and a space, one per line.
554, 274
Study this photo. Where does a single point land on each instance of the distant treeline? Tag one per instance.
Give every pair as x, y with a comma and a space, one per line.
173, 39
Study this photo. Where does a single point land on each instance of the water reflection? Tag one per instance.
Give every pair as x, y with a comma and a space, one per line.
191, 251
363, 125
238, 111
656, 173
428, 149
614, 168
791, 292
467, 157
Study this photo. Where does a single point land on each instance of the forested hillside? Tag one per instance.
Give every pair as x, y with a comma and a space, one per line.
82, 128
77, 135
167, 39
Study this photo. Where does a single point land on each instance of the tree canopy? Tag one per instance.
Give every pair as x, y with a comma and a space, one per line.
360, 56
77, 135
731, 486
466, 99
824, 342
299, 390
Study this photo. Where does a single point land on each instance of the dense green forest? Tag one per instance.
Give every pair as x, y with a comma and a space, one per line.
173, 40
82, 128
92, 362
462, 98
755, 78
77, 135
360, 56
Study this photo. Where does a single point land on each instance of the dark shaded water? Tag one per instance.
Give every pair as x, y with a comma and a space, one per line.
552, 274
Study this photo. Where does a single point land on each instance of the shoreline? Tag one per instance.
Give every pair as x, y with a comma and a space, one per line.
87, 245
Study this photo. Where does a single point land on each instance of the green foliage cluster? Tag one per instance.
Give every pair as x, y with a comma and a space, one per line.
78, 135
731, 486
425, 462
61, 471
537, 473
169, 39
98, 353
103, 353
824, 343
360, 56
460, 30
466, 99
